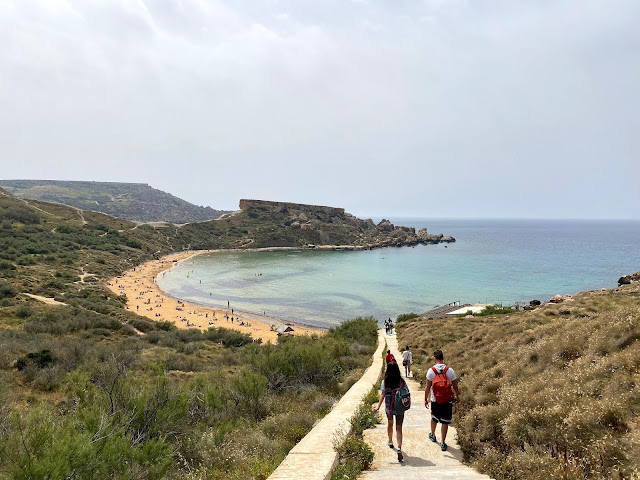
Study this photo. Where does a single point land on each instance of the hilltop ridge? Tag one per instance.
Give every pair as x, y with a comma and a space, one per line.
132, 201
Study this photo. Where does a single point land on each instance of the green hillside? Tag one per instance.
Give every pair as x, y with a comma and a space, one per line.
550, 393
90, 390
131, 201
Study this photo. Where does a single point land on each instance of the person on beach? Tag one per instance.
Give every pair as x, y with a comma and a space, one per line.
407, 359
392, 381
441, 380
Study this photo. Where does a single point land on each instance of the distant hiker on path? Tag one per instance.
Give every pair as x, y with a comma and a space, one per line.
388, 324
441, 380
389, 357
389, 388
407, 359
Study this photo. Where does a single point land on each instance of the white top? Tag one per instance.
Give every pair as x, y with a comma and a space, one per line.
406, 355
451, 375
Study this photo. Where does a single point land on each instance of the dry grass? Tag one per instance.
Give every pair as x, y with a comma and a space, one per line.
552, 393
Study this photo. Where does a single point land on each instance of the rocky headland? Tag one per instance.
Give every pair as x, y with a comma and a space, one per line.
304, 225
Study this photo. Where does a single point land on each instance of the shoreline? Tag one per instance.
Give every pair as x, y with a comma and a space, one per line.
147, 299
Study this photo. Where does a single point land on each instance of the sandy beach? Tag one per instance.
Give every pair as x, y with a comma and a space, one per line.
145, 297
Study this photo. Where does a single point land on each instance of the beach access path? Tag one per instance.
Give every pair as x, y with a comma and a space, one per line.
423, 459
314, 457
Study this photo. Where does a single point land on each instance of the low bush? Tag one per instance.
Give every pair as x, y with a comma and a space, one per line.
248, 391
24, 311
39, 359
228, 337
359, 330
354, 453
7, 291
493, 310
67, 320
403, 317
299, 360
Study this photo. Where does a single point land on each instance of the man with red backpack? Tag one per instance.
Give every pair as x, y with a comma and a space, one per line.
441, 380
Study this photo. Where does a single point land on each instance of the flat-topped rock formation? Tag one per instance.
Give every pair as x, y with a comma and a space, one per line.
246, 204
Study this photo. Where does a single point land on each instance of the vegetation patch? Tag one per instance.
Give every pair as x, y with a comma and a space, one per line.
92, 390
355, 455
403, 317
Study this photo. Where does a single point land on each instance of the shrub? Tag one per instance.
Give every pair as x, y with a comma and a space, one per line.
248, 391
39, 359
182, 362
291, 426
493, 310
5, 265
24, 311
359, 330
228, 337
142, 325
299, 360
357, 456
7, 291
403, 317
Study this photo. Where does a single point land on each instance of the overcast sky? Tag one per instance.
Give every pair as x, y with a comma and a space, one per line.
433, 108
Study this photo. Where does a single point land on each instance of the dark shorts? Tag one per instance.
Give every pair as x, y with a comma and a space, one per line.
399, 418
442, 412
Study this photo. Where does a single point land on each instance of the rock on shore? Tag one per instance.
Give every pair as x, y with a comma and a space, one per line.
628, 279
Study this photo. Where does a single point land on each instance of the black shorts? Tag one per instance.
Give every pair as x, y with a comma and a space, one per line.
442, 412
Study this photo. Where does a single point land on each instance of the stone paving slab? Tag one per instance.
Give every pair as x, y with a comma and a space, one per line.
314, 457
423, 459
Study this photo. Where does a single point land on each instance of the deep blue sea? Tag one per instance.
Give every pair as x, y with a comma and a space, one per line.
493, 261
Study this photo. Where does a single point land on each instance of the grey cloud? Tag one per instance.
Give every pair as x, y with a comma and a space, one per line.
437, 108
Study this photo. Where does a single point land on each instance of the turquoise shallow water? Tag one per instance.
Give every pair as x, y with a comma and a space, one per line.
493, 261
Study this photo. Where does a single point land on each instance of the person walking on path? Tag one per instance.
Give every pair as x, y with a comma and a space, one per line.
407, 359
441, 380
389, 356
392, 381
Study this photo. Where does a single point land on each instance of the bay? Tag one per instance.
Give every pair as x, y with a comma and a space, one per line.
493, 261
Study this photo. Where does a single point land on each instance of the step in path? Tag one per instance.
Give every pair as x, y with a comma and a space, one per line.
423, 459
314, 457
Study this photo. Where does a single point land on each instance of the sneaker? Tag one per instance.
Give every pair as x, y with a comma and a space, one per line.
443, 447
433, 438
400, 456
390, 445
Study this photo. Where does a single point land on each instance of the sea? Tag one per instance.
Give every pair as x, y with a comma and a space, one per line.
491, 262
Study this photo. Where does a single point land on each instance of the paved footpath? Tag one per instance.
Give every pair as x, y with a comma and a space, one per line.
423, 459
314, 457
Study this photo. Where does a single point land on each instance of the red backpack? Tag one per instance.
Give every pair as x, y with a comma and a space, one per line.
441, 386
